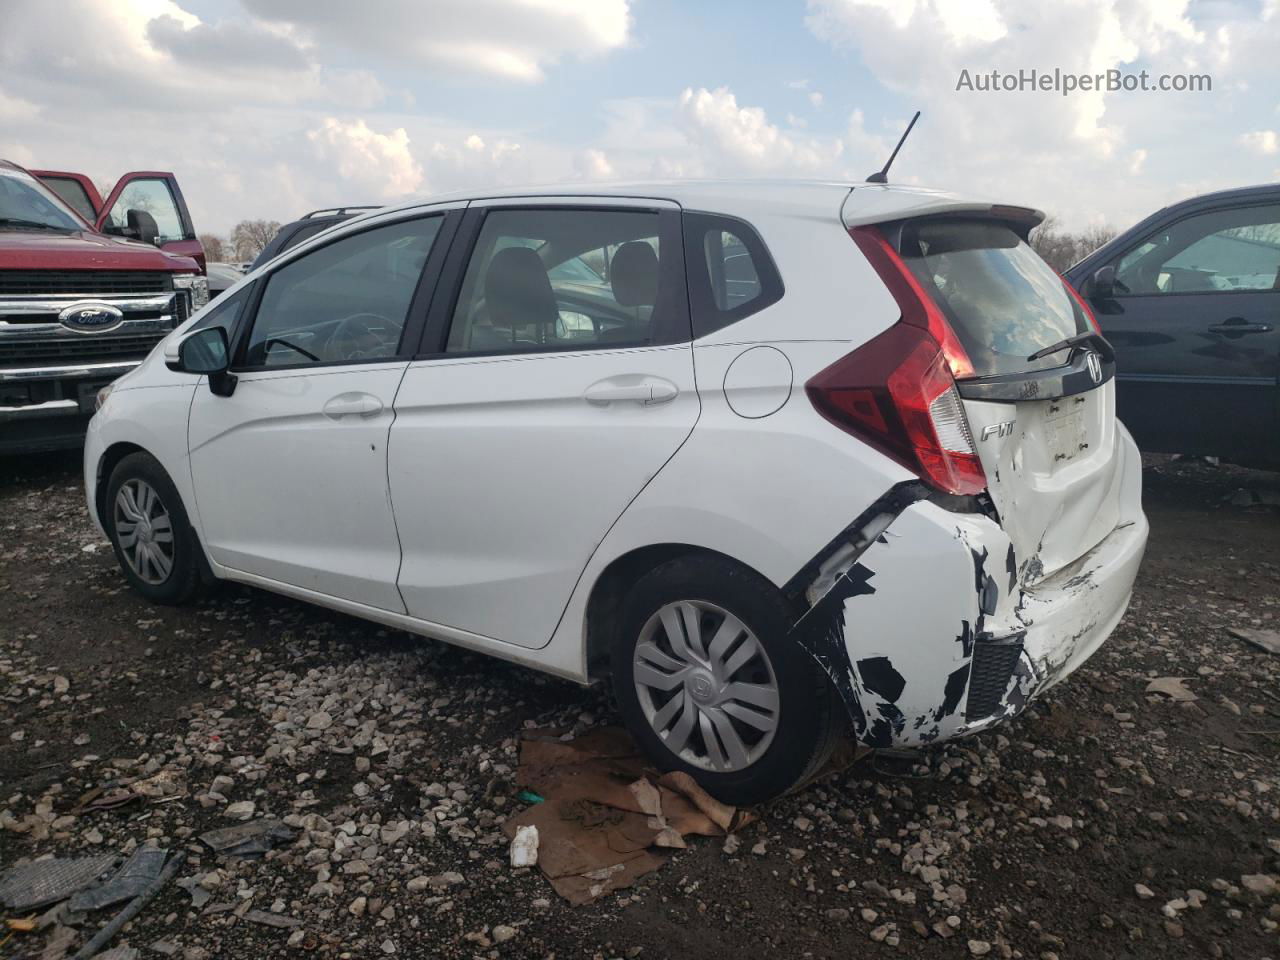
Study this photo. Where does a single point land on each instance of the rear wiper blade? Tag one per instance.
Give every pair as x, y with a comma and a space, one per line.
19, 222
1090, 338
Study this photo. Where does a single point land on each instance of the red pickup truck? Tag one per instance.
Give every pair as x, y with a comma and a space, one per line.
87, 288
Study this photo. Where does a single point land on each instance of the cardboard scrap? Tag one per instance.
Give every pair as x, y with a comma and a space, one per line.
606, 818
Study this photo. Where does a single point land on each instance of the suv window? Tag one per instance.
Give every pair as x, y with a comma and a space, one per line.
1219, 251
343, 302
731, 274
548, 279
151, 196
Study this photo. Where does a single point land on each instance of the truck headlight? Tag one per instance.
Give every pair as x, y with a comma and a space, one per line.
101, 398
196, 287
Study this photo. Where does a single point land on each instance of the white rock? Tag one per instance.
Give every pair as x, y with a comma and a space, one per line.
524, 847
240, 811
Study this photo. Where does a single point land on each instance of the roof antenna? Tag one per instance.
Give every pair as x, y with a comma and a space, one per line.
882, 176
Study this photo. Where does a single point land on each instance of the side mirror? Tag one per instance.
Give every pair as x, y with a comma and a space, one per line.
1101, 284
205, 352
143, 226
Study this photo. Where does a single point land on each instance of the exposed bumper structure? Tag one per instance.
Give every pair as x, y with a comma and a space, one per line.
930, 636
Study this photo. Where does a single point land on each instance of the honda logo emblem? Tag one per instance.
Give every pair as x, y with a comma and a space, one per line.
1094, 364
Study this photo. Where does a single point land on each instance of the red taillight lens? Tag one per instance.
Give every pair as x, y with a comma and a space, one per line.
897, 393
1088, 311
916, 306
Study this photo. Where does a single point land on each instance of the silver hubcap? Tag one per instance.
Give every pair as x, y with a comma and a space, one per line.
144, 531
706, 686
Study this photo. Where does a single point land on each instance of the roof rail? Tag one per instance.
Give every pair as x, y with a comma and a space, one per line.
338, 211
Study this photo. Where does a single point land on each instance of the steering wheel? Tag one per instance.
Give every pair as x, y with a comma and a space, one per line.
364, 335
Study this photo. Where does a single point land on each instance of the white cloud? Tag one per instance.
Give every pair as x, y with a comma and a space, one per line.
379, 164
738, 139
515, 39
815, 99
1086, 156
593, 164
1262, 141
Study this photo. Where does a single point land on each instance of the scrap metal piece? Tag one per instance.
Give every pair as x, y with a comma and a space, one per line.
103, 936
247, 839
30, 886
1268, 640
130, 880
277, 920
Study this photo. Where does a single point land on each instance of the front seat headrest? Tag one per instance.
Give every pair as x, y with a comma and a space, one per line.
517, 289
634, 274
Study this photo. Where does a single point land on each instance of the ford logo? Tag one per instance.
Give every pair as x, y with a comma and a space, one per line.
90, 317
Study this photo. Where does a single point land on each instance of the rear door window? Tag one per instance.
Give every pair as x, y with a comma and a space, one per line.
568, 279
1002, 300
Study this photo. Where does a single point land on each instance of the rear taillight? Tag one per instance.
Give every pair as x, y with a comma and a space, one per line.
898, 392
916, 306
1088, 311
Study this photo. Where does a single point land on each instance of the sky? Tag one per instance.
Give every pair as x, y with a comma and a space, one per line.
270, 108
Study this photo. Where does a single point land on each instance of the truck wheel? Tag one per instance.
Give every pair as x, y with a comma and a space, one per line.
708, 681
150, 532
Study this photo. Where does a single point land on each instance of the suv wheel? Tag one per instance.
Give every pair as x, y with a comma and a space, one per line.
149, 531
708, 681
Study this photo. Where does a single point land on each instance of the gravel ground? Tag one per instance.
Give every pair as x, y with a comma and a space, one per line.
1105, 822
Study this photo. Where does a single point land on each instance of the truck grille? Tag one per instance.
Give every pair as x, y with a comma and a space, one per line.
993, 665
88, 282
34, 352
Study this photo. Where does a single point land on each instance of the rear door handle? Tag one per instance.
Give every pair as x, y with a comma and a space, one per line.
1239, 326
638, 389
356, 404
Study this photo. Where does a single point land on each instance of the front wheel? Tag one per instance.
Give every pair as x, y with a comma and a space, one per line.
150, 532
709, 682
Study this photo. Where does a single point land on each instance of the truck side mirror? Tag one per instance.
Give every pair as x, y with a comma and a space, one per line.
205, 352
1101, 284
143, 226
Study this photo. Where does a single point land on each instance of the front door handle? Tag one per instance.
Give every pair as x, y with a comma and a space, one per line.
636, 388
356, 404
1238, 327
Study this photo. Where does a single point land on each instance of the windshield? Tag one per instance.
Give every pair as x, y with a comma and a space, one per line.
26, 204
1002, 300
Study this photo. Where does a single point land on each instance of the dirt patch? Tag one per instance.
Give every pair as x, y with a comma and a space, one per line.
1029, 841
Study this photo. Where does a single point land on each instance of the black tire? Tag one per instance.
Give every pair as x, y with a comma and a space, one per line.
181, 582
810, 719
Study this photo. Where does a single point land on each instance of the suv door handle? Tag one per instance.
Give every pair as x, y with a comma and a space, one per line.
1239, 326
639, 389
352, 404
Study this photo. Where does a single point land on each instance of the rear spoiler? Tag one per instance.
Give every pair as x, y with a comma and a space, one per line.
882, 204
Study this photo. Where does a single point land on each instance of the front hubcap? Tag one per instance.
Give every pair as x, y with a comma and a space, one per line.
144, 531
706, 686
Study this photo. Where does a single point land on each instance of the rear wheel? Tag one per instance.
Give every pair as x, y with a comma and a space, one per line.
709, 682
150, 532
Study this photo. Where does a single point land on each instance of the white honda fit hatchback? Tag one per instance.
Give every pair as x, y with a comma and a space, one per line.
779, 460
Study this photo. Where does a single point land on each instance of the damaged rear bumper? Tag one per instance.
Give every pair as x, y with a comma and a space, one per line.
929, 636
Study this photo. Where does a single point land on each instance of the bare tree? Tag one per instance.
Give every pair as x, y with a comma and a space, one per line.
1061, 249
215, 248
248, 237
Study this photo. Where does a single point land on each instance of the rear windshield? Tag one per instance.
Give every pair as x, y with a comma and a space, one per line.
1002, 300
